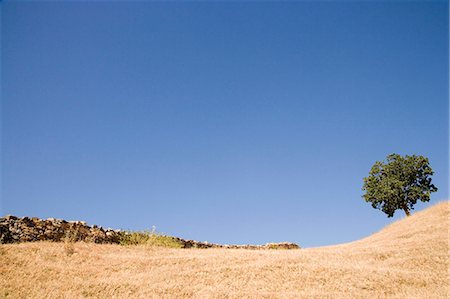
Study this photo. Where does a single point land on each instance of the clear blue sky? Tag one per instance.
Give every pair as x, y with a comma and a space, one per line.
226, 122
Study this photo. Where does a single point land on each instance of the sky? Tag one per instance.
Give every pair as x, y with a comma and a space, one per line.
226, 122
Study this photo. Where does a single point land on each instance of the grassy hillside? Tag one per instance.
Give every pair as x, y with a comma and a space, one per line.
407, 259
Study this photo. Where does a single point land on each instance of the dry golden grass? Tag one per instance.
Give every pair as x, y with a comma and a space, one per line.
408, 259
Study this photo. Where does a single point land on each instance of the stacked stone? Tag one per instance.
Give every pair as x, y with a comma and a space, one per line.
14, 230
282, 245
197, 244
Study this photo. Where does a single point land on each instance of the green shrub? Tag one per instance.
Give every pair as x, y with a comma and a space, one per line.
150, 238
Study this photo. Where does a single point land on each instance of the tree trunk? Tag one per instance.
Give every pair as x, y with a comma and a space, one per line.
406, 211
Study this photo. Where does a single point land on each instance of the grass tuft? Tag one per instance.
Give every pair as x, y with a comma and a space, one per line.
69, 248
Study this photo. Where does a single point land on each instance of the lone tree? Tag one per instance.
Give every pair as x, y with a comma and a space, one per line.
398, 183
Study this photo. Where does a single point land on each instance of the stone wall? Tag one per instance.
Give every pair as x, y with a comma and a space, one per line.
197, 244
15, 230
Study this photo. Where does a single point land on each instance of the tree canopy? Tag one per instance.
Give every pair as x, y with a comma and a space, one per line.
398, 183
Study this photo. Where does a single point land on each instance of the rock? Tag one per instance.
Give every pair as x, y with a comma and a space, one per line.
5, 235
282, 245
26, 229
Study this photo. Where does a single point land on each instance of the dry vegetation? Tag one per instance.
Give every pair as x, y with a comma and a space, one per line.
408, 259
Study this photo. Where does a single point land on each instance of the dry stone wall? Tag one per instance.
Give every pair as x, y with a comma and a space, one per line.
15, 230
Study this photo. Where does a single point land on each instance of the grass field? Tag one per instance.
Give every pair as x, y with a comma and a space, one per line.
407, 259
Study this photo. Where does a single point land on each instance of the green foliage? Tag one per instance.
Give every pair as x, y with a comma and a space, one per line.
276, 247
398, 183
149, 238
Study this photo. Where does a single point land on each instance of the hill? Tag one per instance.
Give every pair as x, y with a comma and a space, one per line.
407, 259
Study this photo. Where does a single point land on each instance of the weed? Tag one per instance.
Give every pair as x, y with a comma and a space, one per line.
73, 235
150, 238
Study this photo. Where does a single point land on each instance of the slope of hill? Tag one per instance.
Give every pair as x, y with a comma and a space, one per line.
407, 259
